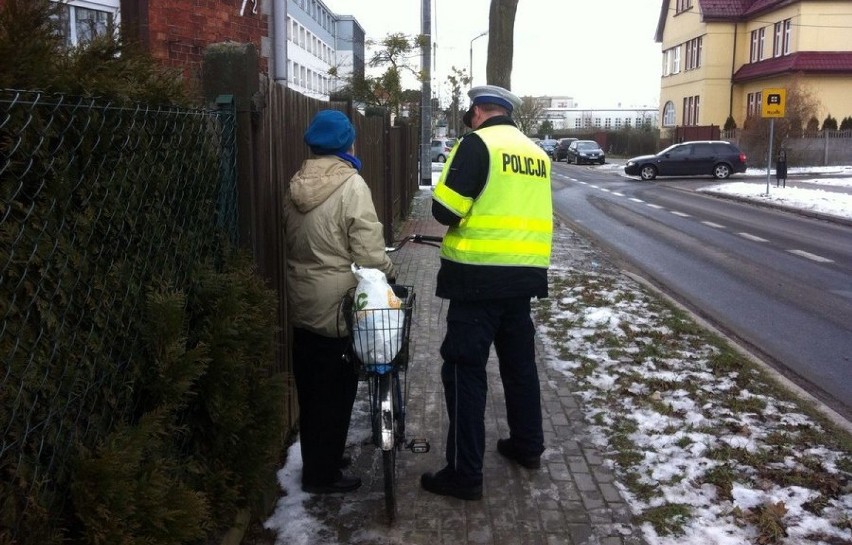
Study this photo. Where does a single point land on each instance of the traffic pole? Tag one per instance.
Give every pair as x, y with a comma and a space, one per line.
769, 156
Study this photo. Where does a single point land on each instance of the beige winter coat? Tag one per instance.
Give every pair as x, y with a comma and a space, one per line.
330, 223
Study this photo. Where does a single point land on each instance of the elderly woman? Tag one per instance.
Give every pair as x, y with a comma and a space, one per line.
330, 223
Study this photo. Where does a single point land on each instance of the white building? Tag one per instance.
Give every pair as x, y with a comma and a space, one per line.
565, 114
318, 41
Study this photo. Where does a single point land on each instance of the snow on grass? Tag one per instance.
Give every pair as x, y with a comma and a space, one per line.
706, 449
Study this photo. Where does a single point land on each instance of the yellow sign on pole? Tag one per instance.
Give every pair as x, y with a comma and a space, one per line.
774, 102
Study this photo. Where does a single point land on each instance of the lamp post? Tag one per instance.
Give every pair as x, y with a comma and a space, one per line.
470, 66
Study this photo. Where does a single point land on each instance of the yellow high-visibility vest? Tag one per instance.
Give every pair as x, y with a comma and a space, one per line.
511, 222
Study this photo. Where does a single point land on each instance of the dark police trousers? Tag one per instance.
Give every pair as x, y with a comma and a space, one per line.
472, 326
326, 386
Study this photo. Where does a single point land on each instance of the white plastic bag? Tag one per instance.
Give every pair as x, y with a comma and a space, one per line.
377, 318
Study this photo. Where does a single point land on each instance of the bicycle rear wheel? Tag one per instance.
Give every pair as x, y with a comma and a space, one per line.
388, 387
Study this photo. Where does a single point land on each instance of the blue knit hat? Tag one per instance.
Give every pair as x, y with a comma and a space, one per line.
330, 132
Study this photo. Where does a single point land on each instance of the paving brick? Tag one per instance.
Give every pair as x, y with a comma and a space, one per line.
572, 500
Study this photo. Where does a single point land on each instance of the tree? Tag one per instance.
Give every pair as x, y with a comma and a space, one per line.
829, 123
846, 124
527, 115
730, 123
457, 80
395, 51
501, 32
546, 128
800, 104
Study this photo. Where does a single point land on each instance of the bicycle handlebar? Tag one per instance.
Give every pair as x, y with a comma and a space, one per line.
430, 240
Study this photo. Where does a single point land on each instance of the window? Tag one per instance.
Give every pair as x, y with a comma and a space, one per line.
617, 122
80, 22
695, 109
778, 42
788, 30
758, 38
669, 115
577, 123
754, 104
683, 5
667, 62
676, 60
693, 53
597, 122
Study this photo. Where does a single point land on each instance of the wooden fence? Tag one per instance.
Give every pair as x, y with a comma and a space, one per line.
271, 149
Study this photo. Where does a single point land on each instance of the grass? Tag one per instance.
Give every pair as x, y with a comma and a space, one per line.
664, 364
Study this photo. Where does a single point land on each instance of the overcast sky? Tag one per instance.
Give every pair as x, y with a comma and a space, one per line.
600, 52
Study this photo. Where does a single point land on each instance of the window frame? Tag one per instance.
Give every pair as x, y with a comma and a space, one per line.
669, 115
112, 8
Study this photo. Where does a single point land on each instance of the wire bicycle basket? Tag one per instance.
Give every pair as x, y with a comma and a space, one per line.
379, 337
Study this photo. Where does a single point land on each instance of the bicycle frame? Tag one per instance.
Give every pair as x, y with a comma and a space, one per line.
378, 335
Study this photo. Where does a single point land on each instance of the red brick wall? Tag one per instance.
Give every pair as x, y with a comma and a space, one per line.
178, 31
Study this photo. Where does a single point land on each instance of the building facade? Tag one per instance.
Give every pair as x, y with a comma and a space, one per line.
719, 55
299, 42
564, 113
324, 50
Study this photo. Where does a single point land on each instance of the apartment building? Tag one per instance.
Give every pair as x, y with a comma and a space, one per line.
719, 55
319, 50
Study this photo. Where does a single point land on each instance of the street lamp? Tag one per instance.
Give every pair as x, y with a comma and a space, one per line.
470, 66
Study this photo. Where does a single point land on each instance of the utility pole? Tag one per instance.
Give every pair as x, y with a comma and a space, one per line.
426, 94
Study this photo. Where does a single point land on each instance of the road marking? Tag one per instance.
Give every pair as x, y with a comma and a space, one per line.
596, 187
752, 237
711, 224
681, 214
812, 257
657, 206
605, 189
634, 199
617, 193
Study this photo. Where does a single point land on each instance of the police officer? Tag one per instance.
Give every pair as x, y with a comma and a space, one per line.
494, 195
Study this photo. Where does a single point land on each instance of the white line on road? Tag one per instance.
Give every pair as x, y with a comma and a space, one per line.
752, 237
812, 257
634, 199
657, 206
714, 225
617, 193
681, 214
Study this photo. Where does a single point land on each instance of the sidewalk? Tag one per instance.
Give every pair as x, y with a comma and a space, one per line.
571, 500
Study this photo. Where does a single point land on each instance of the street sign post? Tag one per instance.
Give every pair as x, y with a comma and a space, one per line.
773, 104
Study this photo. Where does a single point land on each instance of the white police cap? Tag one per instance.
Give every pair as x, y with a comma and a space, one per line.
493, 94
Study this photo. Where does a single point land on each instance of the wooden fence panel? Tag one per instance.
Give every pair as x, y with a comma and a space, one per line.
389, 158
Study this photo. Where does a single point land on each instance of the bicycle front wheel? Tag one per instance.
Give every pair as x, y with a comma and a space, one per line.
388, 386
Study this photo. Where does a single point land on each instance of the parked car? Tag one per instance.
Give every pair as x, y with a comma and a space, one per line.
585, 151
441, 148
548, 146
702, 158
561, 151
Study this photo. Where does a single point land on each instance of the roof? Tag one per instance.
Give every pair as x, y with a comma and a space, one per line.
819, 62
723, 10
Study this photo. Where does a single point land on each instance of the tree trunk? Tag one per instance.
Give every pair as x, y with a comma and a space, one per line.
501, 45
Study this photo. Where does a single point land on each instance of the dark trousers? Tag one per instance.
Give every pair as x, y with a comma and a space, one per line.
471, 329
326, 386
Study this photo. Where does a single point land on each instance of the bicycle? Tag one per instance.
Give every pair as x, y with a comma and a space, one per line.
387, 380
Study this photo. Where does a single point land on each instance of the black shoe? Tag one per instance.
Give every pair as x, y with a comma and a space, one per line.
345, 461
442, 483
507, 449
347, 483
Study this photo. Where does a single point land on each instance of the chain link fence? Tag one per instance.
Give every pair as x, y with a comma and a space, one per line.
100, 204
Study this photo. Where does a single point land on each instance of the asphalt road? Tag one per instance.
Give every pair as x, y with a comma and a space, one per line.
778, 283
